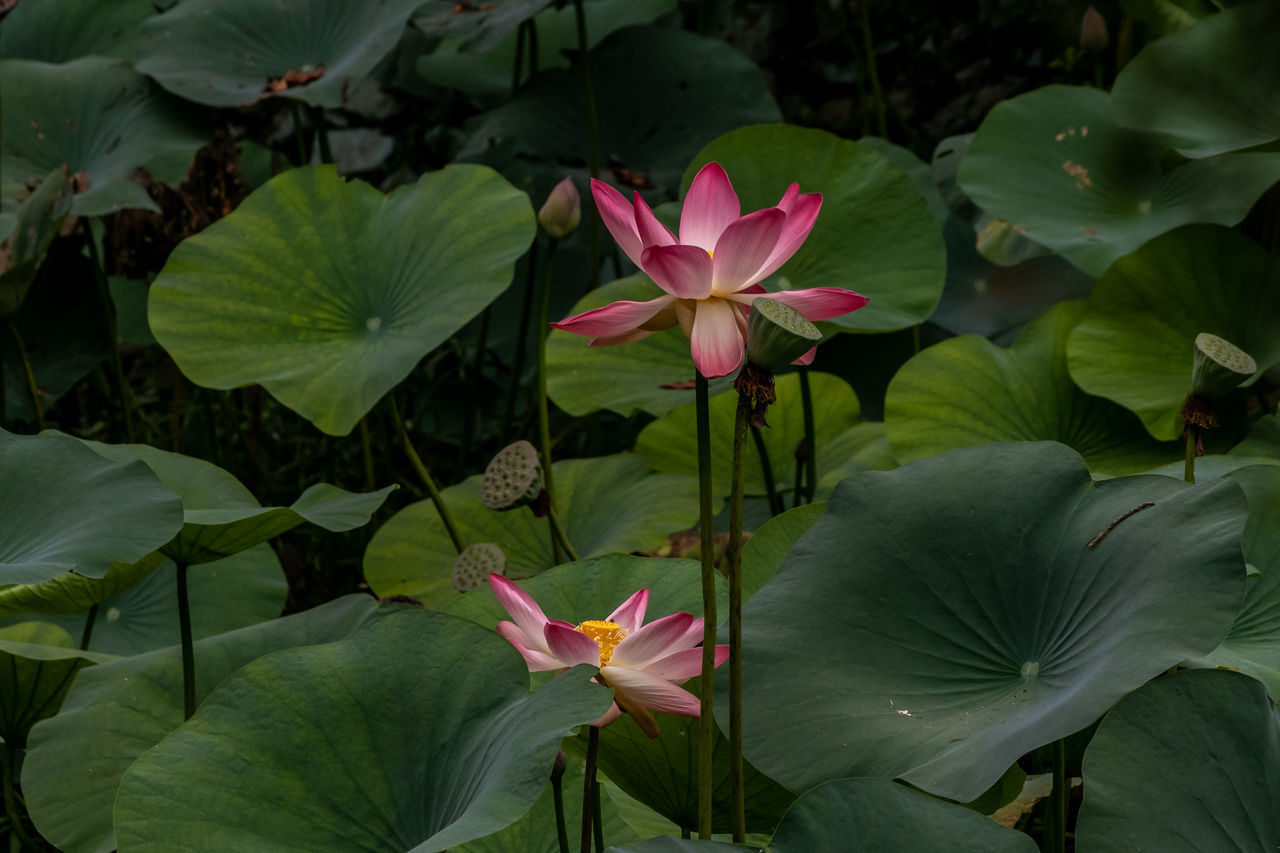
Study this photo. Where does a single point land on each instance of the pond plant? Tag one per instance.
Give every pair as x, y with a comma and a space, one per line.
639, 425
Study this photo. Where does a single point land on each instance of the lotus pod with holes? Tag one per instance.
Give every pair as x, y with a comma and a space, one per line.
1220, 366
476, 563
778, 334
513, 478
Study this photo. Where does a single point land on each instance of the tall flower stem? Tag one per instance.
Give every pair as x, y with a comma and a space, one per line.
188, 648
733, 558
868, 47
522, 340
425, 476
322, 134
775, 501
589, 788
557, 797
32, 387
295, 112
544, 418
810, 438
87, 634
559, 536
593, 131
597, 822
706, 722
109, 311
1055, 840
1189, 464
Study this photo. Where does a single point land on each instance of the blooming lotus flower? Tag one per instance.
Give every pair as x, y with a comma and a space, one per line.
711, 274
642, 663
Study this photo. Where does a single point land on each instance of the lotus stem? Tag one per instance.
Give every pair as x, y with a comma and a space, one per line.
9, 772
589, 788
322, 134
188, 648
366, 451
1189, 465
87, 634
425, 476
1055, 840
527, 33
797, 489
733, 559
474, 419
295, 112
109, 311
557, 797
775, 502
597, 822
559, 536
810, 438
593, 132
706, 722
32, 387
522, 341
544, 418
868, 48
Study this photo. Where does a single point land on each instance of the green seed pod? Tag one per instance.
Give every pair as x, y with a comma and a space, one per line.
513, 478
1219, 367
778, 334
476, 563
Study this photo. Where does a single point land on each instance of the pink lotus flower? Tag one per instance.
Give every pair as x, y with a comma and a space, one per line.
711, 274
643, 664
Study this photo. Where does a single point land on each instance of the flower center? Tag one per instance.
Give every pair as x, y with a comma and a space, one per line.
606, 634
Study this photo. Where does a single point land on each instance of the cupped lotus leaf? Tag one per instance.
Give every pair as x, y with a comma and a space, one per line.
607, 504
71, 593
1252, 646
1209, 89
653, 375
327, 293
221, 517
1136, 342
237, 591
966, 391
117, 711
1190, 763
37, 663
693, 89
943, 619
768, 546
670, 443
477, 55
875, 233
1054, 164
65, 508
100, 119
63, 30
455, 752
40, 217
229, 53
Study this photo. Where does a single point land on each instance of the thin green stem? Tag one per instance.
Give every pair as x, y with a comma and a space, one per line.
32, 387
733, 558
589, 788
775, 501
473, 420
109, 311
1055, 840
558, 534
810, 438
868, 48
9, 772
544, 418
1189, 464
593, 131
295, 110
557, 796
322, 134
87, 634
797, 490
188, 648
522, 340
597, 822
425, 476
707, 721
366, 451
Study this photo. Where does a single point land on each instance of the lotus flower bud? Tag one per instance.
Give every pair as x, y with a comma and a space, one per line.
1093, 31
476, 563
778, 334
562, 211
513, 478
1220, 366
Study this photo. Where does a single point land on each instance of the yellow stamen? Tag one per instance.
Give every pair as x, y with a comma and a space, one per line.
606, 634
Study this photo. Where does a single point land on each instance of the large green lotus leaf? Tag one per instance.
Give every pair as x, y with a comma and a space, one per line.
474, 28
653, 375
1135, 342
1053, 163
221, 517
66, 508
37, 663
63, 30
943, 619
453, 753
668, 844
1263, 439
97, 116
661, 93
117, 711
1252, 646
70, 593
1211, 88
235, 592
1190, 763
768, 546
966, 391
327, 293
480, 63
40, 218
670, 443
875, 233
608, 504
871, 816
223, 52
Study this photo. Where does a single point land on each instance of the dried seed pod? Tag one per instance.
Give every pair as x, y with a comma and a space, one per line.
476, 563
513, 477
